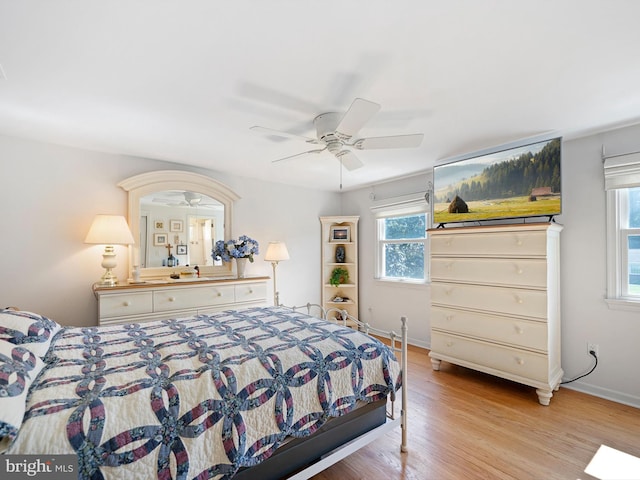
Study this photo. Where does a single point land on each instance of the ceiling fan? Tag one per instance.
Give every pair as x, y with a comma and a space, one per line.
335, 134
183, 199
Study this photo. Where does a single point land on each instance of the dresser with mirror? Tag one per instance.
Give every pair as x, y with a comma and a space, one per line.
176, 217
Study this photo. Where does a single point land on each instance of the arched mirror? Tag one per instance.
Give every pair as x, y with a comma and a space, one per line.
175, 218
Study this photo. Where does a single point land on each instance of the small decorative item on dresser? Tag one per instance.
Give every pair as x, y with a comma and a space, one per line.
135, 274
242, 249
340, 254
241, 265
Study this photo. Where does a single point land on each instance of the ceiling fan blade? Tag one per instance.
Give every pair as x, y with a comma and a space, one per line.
359, 113
278, 133
349, 159
299, 155
394, 141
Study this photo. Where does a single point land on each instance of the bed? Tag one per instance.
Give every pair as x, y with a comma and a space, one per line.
267, 392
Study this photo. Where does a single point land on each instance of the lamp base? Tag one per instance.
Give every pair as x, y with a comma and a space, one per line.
108, 263
108, 279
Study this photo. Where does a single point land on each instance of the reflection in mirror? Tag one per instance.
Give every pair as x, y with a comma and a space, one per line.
179, 228
175, 217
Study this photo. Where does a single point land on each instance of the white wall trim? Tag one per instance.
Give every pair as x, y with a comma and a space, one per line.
607, 394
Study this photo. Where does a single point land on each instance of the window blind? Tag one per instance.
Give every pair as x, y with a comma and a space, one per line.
406, 204
622, 171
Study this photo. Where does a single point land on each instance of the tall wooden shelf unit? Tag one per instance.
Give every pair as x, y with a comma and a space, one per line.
347, 291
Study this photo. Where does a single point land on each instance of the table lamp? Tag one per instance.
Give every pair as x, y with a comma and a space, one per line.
276, 252
109, 230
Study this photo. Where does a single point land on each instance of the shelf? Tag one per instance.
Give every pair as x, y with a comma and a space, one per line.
329, 263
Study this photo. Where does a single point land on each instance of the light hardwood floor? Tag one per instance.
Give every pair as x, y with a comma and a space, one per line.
467, 425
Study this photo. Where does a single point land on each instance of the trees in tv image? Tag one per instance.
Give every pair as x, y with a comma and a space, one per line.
519, 182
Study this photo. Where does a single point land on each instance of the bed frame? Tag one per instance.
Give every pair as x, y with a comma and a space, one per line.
302, 458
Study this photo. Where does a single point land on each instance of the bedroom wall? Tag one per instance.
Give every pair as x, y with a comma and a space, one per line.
51, 193
585, 315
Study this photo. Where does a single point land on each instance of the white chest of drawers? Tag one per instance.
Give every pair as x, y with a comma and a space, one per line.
495, 302
155, 301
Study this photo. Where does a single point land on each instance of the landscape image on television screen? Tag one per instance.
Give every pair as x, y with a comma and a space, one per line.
514, 183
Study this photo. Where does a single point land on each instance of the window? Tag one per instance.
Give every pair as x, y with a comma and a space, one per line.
402, 247
629, 238
401, 238
622, 181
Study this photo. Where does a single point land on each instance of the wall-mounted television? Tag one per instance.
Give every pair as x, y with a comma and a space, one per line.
514, 183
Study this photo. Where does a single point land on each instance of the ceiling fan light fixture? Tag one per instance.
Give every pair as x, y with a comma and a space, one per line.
335, 131
192, 198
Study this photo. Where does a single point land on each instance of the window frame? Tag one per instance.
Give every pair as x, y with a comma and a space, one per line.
401, 207
621, 174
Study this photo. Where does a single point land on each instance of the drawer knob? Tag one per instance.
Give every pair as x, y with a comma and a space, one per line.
519, 361
449, 318
172, 299
519, 330
518, 242
250, 291
126, 304
519, 300
449, 343
218, 294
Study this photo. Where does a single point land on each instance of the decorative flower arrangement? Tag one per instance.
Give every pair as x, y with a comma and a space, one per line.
244, 247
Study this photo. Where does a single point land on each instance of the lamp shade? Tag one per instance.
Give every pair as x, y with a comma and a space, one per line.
276, 251
109, 230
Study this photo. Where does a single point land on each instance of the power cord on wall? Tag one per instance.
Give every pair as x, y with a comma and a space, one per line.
593, 354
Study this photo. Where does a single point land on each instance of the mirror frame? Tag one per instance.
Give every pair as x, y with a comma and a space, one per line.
144, 184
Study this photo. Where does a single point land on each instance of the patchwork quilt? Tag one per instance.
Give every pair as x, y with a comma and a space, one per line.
195, 397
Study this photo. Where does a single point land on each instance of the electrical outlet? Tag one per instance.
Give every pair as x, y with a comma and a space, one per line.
593, 347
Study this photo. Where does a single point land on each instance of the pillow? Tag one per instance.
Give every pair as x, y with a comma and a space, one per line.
19, 367
30, 330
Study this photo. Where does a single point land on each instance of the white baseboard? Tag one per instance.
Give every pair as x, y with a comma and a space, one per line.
418, 343
605, 393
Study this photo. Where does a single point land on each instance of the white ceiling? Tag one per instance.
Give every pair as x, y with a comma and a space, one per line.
184, 81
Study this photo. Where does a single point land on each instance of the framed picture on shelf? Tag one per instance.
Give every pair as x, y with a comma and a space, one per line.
181, 249
159, 239
340, 233
175, 225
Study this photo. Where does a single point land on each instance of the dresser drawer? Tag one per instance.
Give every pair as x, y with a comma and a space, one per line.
501, 300
491, 244
534, 366
510, 272
176, 299
120, 305
251, 292
512, 331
